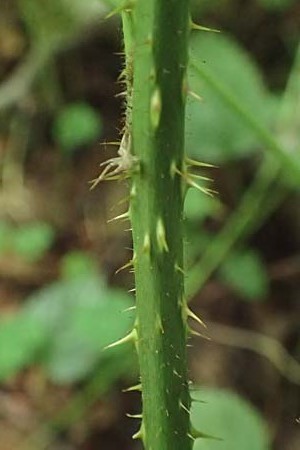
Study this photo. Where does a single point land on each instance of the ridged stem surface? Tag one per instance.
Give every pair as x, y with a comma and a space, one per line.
159, 91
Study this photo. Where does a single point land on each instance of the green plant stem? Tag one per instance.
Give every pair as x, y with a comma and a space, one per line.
290, 165
156, 213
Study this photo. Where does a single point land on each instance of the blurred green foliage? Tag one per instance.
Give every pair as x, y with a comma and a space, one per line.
75, 125
29, 241
65, 327
49, 23
214, 133
246, 274
77, 263
230, 418
200, 207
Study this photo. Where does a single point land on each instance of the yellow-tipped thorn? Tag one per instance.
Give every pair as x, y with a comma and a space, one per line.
196, 96
199, 177
161, 236
131, 308
196, 333
206, 191
137, 387
140, 434
124, 216
179, 269
195, 434
182, 406
130, 337
117, 143
135, 416
197, 27
121, 94
193, 162
192, 315
146, 243
129, 264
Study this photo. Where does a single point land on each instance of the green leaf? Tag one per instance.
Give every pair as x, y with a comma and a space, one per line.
21, 339
52, 21
246, 274
198, 206
66, 327
77, 264
84, 316
33, 240
214, 132
77, 124
229, 417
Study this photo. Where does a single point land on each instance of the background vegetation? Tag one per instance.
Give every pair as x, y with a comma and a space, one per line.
61, 302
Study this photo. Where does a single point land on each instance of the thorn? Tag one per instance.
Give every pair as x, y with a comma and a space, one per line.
132, 290
123, 200
196, 96
192, 315
107, 176
193, 162
121, 94
124, 216
195, 26
130, 263
160, 325
131, 337
161, 236
179, 269
140, 434
146, 243
173, 169
135, 416
176, 373
195, 333
155, 108
125, 6
117, 143
137, 387
133, 191
206, 191
131, 308
195, 434
188, 179
184, 407
196, 400
200, 177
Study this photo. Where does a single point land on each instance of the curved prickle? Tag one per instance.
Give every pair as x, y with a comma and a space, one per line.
121, 165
